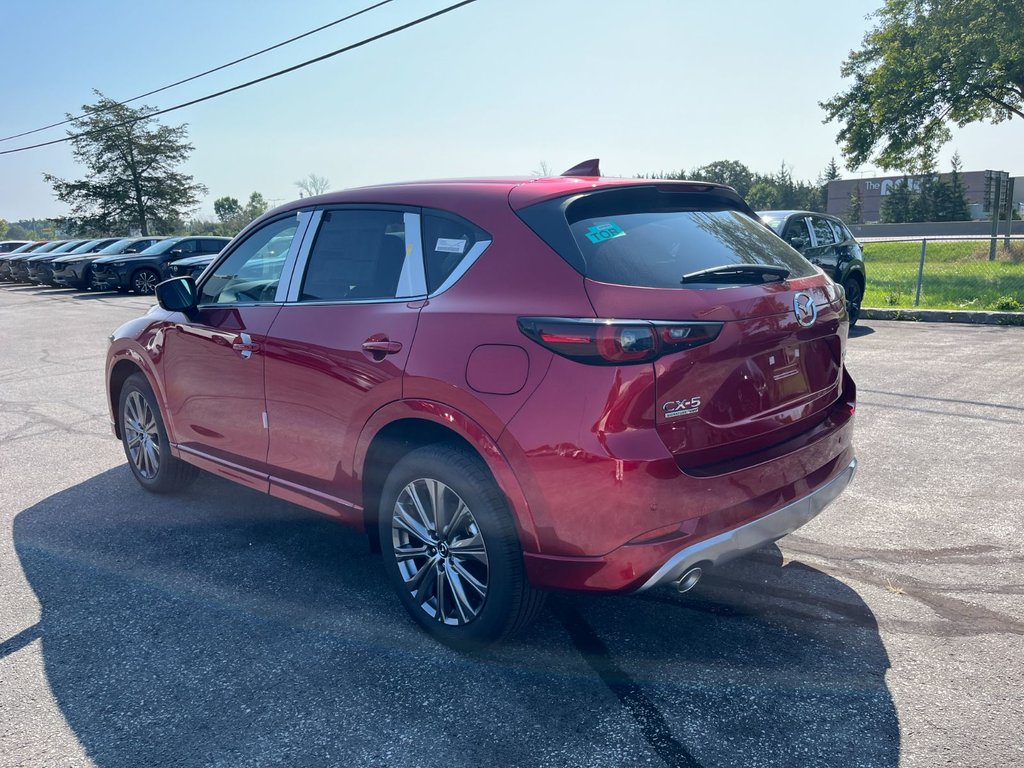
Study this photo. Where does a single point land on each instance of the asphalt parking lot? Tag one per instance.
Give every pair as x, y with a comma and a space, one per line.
222, 627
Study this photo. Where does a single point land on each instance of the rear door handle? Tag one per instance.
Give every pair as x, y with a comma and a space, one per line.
382, 346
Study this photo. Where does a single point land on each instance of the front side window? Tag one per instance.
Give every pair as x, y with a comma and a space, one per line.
357, 255
795, 233
253, 271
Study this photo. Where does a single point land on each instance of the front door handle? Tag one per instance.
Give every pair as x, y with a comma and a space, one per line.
246, 346
379, 346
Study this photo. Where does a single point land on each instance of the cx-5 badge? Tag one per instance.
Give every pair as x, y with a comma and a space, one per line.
805, 309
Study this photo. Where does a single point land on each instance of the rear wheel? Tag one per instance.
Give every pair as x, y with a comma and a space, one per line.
145, 440
144, 281
854, 296
451, 549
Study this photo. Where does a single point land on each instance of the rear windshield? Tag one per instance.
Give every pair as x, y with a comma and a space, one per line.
648, 238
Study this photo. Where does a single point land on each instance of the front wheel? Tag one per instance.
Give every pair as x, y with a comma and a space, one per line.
451, 549
144, 281
854, 296
145, 440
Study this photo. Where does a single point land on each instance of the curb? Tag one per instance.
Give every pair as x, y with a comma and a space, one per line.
944, 316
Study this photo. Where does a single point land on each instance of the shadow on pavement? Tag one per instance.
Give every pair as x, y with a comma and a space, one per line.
222, 626
861, 330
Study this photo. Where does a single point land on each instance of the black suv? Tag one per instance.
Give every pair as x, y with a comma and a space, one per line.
75, 269
826, 242
143, 271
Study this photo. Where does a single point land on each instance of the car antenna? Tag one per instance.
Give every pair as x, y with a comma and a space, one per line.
586, 168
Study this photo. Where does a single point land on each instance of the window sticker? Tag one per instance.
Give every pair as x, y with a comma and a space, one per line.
604, 230
449, 245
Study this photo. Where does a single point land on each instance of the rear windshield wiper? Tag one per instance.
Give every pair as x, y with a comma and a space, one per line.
736, 270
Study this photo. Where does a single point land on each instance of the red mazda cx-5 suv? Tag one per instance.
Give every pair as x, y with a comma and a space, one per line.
511, 385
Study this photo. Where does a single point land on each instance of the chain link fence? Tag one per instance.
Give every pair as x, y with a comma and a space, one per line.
981, 273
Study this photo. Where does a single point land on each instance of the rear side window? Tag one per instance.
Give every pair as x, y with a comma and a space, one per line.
823, 234
842, 233
357, 255
645, 237
447, 241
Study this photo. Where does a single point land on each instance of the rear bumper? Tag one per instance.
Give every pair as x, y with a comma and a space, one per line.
614, 510
755, 534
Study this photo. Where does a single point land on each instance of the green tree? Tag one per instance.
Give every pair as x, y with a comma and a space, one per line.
226, 208
855, 213
256, 206
764, 195
4, 228
960, 209
132, 179
898, 205
926, 64
729, 172
831, 171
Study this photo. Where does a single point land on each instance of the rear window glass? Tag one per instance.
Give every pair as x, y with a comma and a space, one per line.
648, 238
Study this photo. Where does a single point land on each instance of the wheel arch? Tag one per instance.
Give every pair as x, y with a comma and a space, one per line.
403, 426
122, 366
856, 273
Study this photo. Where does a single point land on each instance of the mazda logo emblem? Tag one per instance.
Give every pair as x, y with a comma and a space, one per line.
805, 309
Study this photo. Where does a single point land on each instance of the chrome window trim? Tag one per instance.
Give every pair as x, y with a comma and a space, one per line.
414, 273
470, 259
297, 254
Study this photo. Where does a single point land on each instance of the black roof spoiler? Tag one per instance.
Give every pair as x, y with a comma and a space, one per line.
586, 168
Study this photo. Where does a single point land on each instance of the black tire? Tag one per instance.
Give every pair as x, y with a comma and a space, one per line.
145, 442
144, 281
477, 620
854, 297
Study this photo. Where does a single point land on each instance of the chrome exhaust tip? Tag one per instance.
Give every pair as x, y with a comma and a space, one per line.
688, 580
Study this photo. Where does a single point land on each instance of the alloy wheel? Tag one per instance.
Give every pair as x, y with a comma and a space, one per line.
440, 552
143, 436
145, 281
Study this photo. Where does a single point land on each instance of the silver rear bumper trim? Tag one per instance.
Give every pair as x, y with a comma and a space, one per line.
753, 535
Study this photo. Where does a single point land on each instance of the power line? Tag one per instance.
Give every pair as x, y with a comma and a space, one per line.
240, 87
201, 74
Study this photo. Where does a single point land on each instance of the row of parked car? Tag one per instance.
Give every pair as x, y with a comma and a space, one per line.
107, 263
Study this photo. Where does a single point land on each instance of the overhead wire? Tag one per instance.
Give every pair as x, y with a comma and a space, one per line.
283, 43
250, 83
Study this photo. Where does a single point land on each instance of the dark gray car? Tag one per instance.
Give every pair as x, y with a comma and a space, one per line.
826, 242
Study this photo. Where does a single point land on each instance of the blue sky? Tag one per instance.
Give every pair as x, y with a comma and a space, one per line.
492, 88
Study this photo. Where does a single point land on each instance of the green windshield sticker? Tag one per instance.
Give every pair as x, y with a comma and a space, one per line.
604, 230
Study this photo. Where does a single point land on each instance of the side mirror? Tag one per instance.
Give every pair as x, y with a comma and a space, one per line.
178, 295
797, 242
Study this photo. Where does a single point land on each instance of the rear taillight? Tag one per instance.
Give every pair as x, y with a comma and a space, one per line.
616, 342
